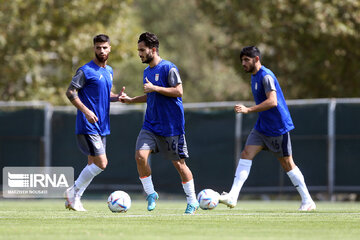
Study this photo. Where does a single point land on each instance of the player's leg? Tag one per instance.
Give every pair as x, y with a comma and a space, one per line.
146, 144
243, 168
174, 148
93, 146
143, 167
96, 164
284, 153
297, 179
144, 171
183, 170
241, 174
254, 144
188, 185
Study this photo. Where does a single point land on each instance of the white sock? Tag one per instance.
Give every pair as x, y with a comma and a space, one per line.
85, 177
241, 174
82, 189
189, 190
297, 179
147, 185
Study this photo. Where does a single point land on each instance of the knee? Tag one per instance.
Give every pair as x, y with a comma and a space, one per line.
140, 159
102, 165
100, 161
177, 165
180, 165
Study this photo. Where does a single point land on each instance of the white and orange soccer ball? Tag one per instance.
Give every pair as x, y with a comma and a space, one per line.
208, 199
119, 201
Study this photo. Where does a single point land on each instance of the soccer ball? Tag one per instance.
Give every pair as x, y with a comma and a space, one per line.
208, 199
119, 201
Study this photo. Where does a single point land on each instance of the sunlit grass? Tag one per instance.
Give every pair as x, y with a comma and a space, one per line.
48, 219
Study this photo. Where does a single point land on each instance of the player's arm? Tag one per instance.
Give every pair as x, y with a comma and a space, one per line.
72, 94
270, 102
175, 89
138, 99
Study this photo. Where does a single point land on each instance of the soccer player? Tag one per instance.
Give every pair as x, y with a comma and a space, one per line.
90, 92
163, 127
271, 131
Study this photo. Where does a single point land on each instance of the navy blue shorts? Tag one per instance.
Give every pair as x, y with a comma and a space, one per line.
91, 144
279, 145
172, 148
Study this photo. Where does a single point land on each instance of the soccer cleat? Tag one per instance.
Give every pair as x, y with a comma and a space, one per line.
72, 202
228, 200
69, 197
309, 206
191, 208
151, 198
79, 205
76, 205
67, 204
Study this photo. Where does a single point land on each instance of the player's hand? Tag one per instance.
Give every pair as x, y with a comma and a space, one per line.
239, 108
122, 95
91, 117
149, 87
124, 98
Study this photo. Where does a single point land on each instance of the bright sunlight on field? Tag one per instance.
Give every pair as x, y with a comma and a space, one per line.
48, 219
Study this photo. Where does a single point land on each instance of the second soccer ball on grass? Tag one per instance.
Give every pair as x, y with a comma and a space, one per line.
208, 199
119, 201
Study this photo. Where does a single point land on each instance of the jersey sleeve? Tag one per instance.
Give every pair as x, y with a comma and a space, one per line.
269, 84
174, 77
78, 81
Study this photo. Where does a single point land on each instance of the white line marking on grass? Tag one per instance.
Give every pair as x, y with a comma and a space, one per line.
159, 215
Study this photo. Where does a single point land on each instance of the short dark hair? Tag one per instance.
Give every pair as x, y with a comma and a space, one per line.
101, 38
250, 51
150, 40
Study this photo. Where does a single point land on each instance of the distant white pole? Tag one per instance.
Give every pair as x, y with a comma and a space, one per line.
48, 112
331, 148
238, 133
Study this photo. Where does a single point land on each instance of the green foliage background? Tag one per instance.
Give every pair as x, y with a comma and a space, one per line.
311, 45
43, 42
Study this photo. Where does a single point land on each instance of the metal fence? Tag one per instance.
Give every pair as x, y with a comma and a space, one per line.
325, 143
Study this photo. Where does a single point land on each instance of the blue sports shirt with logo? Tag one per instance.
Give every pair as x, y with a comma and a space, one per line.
94, 85
164, 115
275, 121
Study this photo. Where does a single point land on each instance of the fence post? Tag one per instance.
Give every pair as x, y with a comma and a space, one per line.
238, 133
331, 148
48, 112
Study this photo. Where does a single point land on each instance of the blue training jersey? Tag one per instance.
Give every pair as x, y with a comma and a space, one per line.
95, 95
275, 121
164, 115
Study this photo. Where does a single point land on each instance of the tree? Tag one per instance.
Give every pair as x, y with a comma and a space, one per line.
42, 43
311, 45
185, 39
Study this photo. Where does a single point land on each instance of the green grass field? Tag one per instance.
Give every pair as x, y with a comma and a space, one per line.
48, 219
